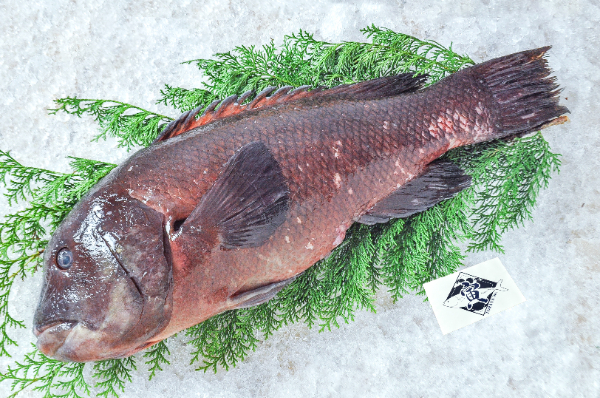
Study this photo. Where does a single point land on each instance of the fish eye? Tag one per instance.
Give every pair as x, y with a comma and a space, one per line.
64, 259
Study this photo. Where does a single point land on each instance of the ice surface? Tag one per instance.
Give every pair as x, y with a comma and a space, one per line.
548, 346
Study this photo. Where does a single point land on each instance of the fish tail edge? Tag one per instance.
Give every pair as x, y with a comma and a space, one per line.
525, 93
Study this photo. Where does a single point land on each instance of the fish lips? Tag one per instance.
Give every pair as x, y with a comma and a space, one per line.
71, 341
51, 337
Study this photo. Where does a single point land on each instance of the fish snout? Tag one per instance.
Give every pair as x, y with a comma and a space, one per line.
51, 336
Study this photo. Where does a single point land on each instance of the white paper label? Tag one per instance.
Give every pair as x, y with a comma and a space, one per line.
472, 294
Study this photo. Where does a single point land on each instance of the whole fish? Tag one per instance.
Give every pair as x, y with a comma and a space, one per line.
223, 211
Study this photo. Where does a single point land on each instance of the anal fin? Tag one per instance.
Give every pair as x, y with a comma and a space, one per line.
440, 181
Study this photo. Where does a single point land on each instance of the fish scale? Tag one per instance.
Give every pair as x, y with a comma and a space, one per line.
232, 206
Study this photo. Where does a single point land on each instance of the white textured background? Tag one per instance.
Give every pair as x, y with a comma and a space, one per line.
547, 347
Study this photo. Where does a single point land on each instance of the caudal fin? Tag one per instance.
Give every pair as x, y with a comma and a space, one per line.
526, 94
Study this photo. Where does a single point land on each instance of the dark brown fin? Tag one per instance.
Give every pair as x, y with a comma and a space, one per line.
440, 181
371, 89
527, 96
246, 203
259, 295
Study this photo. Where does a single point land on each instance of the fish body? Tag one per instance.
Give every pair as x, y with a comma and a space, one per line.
223, 212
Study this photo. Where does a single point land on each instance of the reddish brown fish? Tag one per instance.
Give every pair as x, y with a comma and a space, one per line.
224, 211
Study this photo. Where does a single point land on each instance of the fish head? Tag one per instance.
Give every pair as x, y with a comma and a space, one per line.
456, 301
107, 286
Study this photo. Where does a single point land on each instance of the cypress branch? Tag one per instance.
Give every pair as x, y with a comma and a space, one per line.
112, 375
507, 178
51, 377
132, 125
183, 99
302, 60
157, 355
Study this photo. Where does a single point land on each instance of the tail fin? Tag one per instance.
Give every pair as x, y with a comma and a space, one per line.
500, 288
526, 95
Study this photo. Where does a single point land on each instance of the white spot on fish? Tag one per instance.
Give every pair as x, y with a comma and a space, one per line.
338, 142
341, 234
130, 168
479, 109
300, 168
337, 180
97, 209
350, 191
339, 239
287, 239
399, 169
336, 152
386, 125
309, 246
462, 120
445, 124
299, 220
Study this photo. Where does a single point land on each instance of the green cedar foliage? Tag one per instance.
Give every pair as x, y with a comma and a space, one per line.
133, 125
399, 256
51, 377
112, 375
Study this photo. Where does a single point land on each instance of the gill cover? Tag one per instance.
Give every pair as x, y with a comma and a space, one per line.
116, 294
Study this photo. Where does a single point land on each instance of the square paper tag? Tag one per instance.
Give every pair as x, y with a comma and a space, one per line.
467, 296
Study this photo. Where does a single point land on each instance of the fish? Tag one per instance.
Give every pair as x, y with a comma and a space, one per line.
228, 207
472, 293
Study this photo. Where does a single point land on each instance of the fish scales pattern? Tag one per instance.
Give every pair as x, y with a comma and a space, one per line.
306, 139
380, 150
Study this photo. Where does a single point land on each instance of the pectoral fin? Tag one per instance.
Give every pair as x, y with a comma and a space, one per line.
245, 205
442, 180
259, 295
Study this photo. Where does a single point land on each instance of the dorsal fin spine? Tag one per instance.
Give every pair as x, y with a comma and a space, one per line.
245, 96
261, 97
277, 95
225, 107
211, 107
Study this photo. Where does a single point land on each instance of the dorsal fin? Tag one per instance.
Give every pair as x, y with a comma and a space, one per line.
230, 106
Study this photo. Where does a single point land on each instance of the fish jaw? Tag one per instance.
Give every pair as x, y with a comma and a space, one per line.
52, 337
74, 342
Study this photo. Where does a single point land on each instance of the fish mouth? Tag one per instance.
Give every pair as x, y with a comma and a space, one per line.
51, 336
62, 325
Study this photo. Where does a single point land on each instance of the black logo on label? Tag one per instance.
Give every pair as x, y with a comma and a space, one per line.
474, 294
